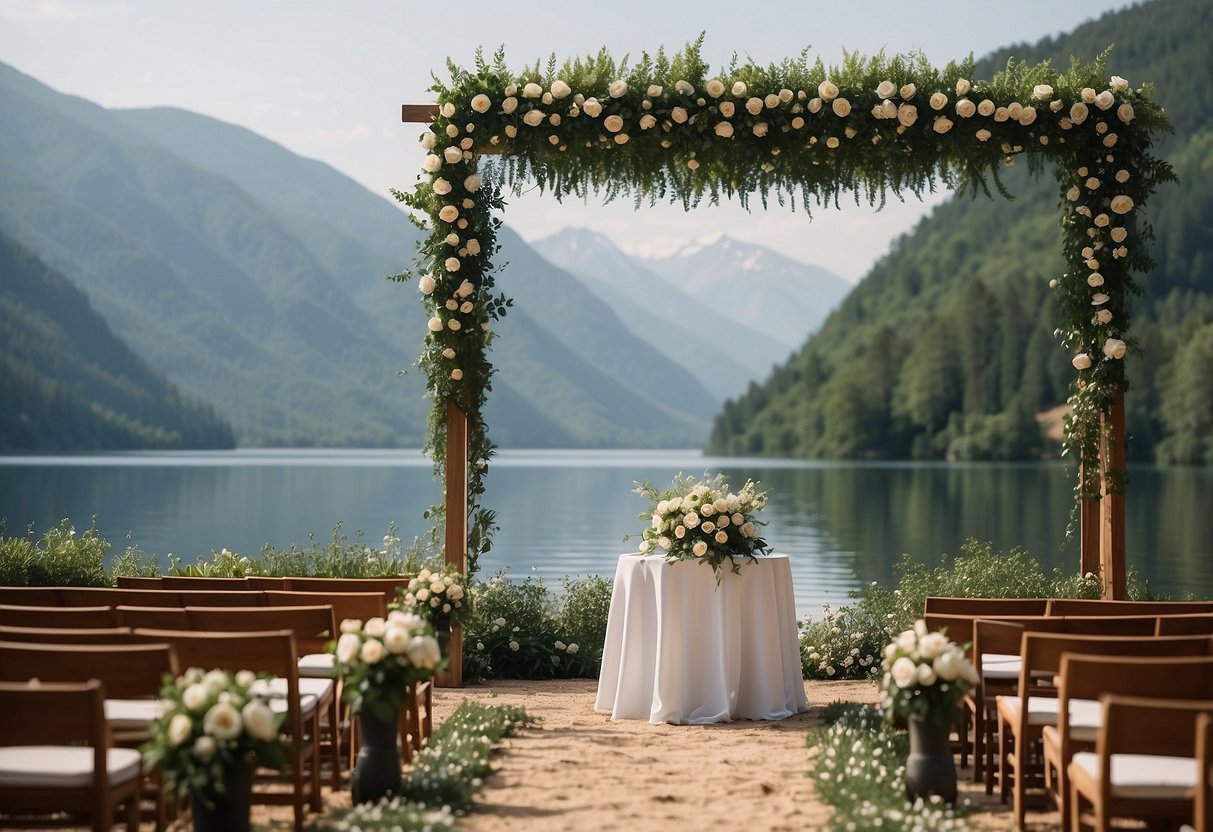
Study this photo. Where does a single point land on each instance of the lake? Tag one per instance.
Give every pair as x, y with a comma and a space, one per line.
561, 513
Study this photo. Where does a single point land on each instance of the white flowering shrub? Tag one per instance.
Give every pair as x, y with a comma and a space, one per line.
858, 767
844, 643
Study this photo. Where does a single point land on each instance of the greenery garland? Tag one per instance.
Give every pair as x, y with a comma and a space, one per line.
802, 133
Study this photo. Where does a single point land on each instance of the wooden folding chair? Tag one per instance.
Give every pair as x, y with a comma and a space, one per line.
1086, 677
272, 653
1022, 716
1144, 764
1203, 821
157, 618
37, 596
984, 607
133, 582
56, 758
313, 627
203, 583
14, 615
1185, 625
1093, 606
388, 586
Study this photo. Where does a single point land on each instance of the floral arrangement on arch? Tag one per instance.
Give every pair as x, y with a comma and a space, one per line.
703, 521
925, 676
440, 596
212, 725
668, 127
378, 659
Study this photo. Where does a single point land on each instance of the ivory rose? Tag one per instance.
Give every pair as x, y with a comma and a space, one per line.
613, 123
938, 101
827, 90
841, 107
885, 89
1114, 348
1082, 361
481, 103
715, 88
592, 107
1121, 204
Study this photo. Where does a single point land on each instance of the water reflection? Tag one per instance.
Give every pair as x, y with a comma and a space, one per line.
568, 512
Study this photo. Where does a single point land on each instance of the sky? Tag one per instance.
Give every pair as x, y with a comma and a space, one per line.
326, 81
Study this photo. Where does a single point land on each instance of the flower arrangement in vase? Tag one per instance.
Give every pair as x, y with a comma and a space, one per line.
704, 521
378, 659
440, 596
212, 730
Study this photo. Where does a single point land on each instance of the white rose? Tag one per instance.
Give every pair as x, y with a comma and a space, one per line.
592, 107
1103, 316
1094, 280
1122, 176
1118, 83
691, 520
457, 374
194, 697
1122, 204
1027, 115
932, 645
1099, 299
699, 549
1014, 110
753, 106
841, 107
1002, 114
1081, 361
724, 129
907, 91
679, 115
1114, 348
423, 594
617, 89
431, 163
942, 125
986, 107
727, 109
441, 186
372, 651
455, 592
452, 264
1042, 92
204, 747
534, 118
465, 289
771, 101
1092, 183
179, 729
434, 324
983, 135
532, 90
473, 246
739, 89
396, 638
1119, 234
722, 537
926, 674
223, 722
946, 666
938, 101
481, 103
259, 720
613, 123
1079, 112
965, 108
827, 90
647, 122
452, 155
448, 109
448, 353
814, 105
715, 88
560, 89
1102, 220
907, 114
962, 86
885, 89
654, 91
423, 652
509, 105
1105, 100
683, 87
904, 672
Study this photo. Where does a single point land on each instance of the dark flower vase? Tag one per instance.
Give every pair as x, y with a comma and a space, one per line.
930, 768
230, 812
377, 768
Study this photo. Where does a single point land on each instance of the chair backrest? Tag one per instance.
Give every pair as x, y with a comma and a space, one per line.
985, 607
83, 596
1087, 676
67, 635
168, 618
1145, 725
1041, 653
133, 582
313, 626
220, 598
360, 605
14, 615
193, 584
388, 586
1192, 624
128, 671
1090, 606
264, 582
42, 596
1204, 766
1111, 625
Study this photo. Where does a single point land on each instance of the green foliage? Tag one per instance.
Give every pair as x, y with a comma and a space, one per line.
859, 769
135, 563
59, 558
860, 631
521, 631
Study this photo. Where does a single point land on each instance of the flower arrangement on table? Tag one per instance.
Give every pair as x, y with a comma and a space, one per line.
704, 521
212, 726
440, 596
378, 659
926, 676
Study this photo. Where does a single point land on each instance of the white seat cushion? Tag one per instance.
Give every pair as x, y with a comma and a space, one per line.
316, 664
1145, 776
63, 767
1085, 714
311, 691
1000, 665
132, 713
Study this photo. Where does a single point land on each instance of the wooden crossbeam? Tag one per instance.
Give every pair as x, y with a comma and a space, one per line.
418, 113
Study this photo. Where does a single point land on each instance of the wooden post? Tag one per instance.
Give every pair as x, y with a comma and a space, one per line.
456, 541
1112, 502
1089, 530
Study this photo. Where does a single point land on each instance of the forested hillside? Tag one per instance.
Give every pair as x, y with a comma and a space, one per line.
946, 348
78, 386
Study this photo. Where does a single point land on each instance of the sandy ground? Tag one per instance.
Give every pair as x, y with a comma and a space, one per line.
580, 770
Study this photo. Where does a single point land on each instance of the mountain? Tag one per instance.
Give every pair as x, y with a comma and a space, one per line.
754, 286
945, 349
722, 353
71, 384
253, 279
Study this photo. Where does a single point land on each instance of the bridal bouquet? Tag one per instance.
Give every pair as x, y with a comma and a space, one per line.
704, 521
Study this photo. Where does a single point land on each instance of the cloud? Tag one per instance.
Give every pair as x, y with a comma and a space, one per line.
60, 11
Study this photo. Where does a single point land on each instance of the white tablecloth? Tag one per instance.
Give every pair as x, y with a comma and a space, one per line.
680, 649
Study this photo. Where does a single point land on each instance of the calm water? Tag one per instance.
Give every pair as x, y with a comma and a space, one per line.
567, 512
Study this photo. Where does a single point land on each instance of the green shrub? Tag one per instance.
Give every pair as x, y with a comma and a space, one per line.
59, 558
519, 630
135, 563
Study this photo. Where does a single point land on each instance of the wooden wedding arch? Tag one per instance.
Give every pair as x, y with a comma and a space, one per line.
665, 128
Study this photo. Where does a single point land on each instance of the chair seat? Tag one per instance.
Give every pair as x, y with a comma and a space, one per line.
132, 713
63, 767
1085, 714
1144, 776
1000, 665
316, 665
311, 692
